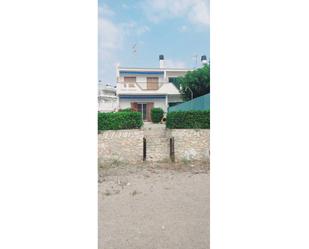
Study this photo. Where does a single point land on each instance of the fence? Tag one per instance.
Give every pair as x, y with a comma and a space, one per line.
201, 103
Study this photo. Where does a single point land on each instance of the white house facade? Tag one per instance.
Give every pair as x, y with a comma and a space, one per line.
107, 99
144, 88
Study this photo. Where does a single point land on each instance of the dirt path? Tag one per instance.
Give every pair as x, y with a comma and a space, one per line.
154, 207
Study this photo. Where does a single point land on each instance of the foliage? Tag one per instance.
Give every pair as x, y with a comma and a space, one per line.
119, 120
156, 114
197, 80
188, 120
126, 110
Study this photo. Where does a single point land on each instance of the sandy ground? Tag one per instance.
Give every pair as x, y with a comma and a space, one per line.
154, 206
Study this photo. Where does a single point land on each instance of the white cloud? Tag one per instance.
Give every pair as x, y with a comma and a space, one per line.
105, 11
133, 28
110, 43
110, 35
142, 29
112, 39
196, 11
199, 13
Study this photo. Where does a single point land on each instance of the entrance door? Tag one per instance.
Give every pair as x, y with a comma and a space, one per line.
143, 109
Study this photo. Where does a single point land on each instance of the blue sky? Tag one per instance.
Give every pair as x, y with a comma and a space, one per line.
178, 29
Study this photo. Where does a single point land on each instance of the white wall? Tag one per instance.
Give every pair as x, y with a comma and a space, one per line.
142, 78
174, 98
126, 103
107, 105
175, 73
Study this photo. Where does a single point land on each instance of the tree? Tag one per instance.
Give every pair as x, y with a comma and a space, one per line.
198, 81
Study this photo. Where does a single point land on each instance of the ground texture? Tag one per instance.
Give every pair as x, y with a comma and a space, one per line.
154, 206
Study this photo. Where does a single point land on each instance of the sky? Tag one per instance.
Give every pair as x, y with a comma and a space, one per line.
134, 33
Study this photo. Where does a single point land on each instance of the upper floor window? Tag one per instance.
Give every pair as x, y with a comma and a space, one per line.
172, 79
130, 81
152, 83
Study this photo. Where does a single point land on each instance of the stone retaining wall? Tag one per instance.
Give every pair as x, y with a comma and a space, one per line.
191, 144
127, 145
120, 145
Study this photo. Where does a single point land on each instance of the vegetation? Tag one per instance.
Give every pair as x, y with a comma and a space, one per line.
119, 120
198, 81
188, 120
126, 110
156, 114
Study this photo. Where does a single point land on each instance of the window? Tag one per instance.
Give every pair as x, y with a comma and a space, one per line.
152, 83
130, 81
172, 79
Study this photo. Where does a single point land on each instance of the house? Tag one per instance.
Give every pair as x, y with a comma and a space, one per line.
144, 88
107, 99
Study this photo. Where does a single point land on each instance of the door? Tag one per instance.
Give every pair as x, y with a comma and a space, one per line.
143, 109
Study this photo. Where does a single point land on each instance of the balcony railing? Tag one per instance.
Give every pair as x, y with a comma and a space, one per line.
143, 85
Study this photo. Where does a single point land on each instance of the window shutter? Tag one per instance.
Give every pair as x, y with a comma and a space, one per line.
134, 106
149, 107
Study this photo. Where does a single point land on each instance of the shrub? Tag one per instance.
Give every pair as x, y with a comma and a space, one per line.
156, 114
126, 110
119, 120
188, 120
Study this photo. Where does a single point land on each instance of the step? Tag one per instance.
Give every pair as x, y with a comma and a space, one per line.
157, 142
156, 139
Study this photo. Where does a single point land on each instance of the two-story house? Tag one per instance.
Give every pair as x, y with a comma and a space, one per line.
144, 88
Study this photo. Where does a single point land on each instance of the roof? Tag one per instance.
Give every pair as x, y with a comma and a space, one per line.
153, 69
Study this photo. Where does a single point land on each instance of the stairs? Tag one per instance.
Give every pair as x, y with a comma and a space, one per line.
157, 142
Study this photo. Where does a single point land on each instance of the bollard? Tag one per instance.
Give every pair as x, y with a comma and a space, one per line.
172, 149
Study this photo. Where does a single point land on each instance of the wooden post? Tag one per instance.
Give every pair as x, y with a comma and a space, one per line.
172, 149
144, 149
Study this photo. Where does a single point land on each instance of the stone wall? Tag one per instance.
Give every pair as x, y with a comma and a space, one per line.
127, 145
120, 145
191, 144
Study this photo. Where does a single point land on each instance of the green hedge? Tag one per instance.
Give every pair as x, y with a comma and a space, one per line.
156, 114
119, 120
126, 110
188, 120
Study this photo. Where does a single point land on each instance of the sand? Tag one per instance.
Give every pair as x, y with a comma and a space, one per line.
154, 206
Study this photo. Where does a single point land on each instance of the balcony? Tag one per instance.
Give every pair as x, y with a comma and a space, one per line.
142, 85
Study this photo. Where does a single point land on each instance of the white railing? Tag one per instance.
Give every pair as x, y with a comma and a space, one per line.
107, 106
143, 85
104, 96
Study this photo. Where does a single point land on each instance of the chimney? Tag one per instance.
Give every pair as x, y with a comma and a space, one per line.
204, 60
162, 62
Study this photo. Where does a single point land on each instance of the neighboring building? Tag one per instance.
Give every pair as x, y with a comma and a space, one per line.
107, 99
145, 88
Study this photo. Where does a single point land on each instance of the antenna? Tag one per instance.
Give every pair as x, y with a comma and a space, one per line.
134, 52
134, 49
195, 56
